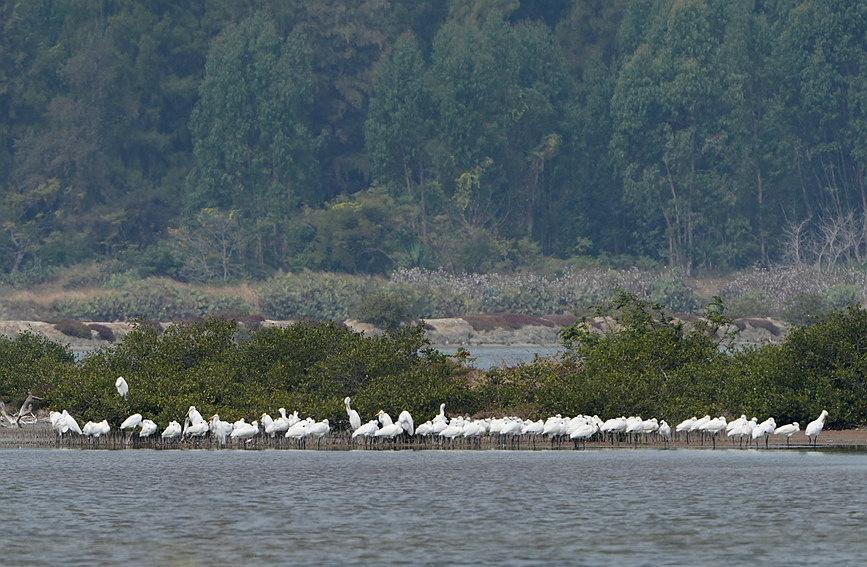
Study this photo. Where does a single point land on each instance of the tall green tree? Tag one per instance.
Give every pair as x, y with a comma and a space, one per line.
253, 149
399, 125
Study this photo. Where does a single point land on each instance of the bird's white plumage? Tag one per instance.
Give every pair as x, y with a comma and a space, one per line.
354, 418
131, 422
815, 427
148, 428
122, 386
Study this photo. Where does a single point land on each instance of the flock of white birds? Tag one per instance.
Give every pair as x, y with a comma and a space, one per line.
579, 429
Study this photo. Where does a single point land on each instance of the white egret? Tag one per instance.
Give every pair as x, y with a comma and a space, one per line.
384, 418
68, 423
194, 416
220, 429
318, 430
369, 429
172, 430
122, 386
664, 431
95, 430
148, 428
244, 431
354, 418
815, 427
405, 421
131, 422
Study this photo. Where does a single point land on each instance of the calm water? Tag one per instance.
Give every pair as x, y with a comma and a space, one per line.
490, 356
604, 507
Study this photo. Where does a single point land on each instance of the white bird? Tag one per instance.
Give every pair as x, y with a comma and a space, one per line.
354, 418
441, 416
788, 430
131, 422
456, 428
122, 386
685, 426
369, 429
405, 421
266, 421
148, 428
384, 418
583, 432
172, 430
815, 427
68, 423
712, 427
196, 430
194, 416
220, 429
318, 430
281, 424
664, 431
424, 429
95, 430
244, 431
297, 431
764, 430
742, 431
389, 431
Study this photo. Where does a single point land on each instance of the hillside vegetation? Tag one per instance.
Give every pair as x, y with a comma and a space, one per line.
223, 141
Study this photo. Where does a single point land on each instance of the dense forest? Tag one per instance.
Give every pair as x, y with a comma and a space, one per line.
211, 140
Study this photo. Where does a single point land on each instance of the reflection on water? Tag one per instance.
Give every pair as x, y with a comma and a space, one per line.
603, 507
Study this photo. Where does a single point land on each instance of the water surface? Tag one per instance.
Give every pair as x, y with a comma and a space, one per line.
597, 507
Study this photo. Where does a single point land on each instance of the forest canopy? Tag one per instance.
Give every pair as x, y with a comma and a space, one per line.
214, 140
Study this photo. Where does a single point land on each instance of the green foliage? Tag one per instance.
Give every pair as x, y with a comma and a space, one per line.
753, 303
73, 328
31, 363
307, 367
385, 310
319, 296
805, 308
154, 298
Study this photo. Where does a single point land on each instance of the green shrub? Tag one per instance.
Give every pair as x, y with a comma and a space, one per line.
805, 308
841, 296
153, 298
105, 333
384, 310
31, 363
752, 303
73, 328
317, 296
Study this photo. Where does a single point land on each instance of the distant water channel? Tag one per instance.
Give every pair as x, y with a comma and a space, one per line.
622, 507
485, 357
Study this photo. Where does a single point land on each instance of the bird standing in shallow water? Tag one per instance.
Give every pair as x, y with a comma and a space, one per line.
787, 430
